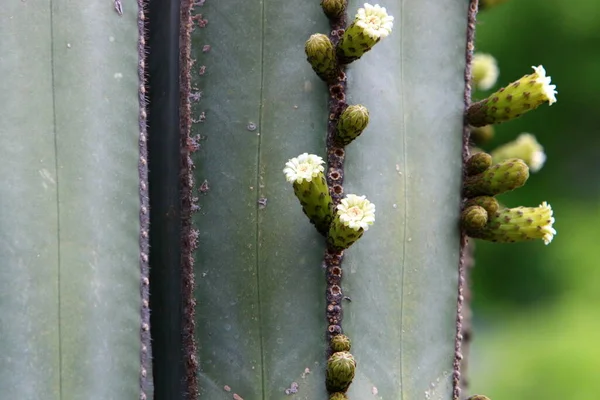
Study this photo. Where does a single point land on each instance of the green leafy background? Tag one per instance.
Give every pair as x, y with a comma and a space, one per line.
536, 307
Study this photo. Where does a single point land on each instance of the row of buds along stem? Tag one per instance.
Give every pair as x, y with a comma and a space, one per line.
482, 216
370, 25
342, 226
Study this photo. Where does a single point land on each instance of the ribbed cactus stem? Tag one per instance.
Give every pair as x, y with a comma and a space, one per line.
499, 178
341, 367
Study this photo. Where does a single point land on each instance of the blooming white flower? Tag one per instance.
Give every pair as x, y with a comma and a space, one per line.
374, 21
548, 90
305, 167
485, 71
547, 230
356, 212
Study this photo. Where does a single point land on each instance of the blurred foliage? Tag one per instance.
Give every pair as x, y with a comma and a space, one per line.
537, 308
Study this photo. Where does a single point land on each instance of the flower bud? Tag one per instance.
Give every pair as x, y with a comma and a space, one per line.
353, 217
525, 147
334, 9
484, 71
512, 101
489, 203
478, 163
499, 178
338, 396
351, 124
473, 218
481, 134
340, 371
320, 53
340, 343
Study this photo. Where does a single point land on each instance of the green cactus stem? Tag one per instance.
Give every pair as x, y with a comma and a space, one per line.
481, 134
310, 187
518, 225
320, 53
478, 163
338, 396
353, 217
473, 218
334, 9
484, 71
340, 371
499, 178
371, 24
490, 204
340, 343
510, 102
353, 121
525, 147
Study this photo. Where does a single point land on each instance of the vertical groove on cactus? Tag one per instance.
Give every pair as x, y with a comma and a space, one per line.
145, 345
189, 236
465, 262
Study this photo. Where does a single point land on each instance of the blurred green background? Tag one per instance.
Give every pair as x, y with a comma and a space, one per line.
537, 307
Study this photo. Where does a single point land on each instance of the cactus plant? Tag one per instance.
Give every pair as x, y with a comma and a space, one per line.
238, 292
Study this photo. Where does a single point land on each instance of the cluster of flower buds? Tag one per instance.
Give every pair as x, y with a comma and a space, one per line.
341, 367
370, 25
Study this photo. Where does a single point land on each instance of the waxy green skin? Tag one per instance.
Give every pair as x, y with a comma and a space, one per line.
510, 225
316, 202
340, 372
353, 121
499, 178
320, 53
353, 44
507, 103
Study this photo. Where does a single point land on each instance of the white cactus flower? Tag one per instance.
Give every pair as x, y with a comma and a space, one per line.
356, 212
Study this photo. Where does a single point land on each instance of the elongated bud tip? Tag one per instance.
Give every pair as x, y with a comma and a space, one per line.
478, 163
351, 124
481, 134
514, 100
340, 343
485, 71
338, 396
305, 167
320, 53
341, 367
473, 218
525, 147
334, 9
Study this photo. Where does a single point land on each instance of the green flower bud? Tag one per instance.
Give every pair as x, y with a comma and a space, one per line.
499, 178
351, 124
353, 217
518, 225
338, 396
370, 25
320, 54
511, 102
481, 134
478, 163
490, 204
334, 9
340, 371
524, 147
340, 343
478, 397
306, 173
484, 71
474, 217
